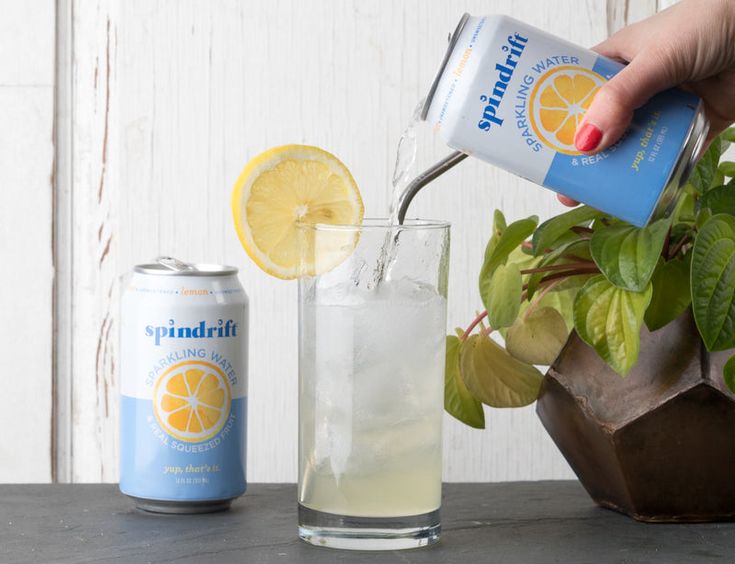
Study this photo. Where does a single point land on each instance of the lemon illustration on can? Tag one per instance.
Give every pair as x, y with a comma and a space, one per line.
191, 400
558, 103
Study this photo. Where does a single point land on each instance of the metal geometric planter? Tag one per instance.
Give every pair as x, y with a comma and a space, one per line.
658, 445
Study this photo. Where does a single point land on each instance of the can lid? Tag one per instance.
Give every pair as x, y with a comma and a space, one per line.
170, 266
453, 38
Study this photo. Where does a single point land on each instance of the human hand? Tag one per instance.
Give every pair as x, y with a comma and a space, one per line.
691, 44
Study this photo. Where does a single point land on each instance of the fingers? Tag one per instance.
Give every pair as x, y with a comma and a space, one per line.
612, 109
612, 48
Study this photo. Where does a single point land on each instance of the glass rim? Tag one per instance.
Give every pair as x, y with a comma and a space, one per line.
378, 224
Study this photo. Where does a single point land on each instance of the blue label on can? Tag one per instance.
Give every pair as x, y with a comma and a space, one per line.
640, 163
159, 466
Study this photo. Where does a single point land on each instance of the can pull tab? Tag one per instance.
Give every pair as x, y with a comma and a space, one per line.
175, 264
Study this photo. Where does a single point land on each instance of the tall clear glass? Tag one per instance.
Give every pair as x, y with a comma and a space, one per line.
372, 328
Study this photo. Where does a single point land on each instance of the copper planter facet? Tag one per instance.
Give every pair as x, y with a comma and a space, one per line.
659, 444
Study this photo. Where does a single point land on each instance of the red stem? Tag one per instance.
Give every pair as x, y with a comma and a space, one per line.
538, 297
667, 242
553, 267
589, 270
474, 324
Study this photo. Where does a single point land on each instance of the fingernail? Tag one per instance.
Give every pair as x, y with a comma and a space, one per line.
587, 138
567, 201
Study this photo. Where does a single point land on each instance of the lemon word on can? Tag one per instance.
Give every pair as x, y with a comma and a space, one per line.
183, 387
513, 95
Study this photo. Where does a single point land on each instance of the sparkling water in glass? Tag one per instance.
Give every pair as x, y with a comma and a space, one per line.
371, 381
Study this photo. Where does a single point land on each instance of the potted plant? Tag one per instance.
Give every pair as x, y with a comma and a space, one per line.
628, 319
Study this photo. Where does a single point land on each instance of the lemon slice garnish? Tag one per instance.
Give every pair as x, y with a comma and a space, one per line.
291, 185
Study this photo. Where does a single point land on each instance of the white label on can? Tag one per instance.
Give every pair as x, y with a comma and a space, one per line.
178, 322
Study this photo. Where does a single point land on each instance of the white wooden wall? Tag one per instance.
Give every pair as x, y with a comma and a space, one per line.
159, 103
26, 224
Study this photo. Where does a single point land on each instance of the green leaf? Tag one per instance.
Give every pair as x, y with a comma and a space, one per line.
703, 217
562, 300
609, 319
497, 251
703, 174
499, 226
728, 134
496, 378
713, 282
728, 373
503, 298
549, 231
727, 168
573, 283
627, 255
719, 200
522, 259
458, 401
671, 292
685, 208
537, 338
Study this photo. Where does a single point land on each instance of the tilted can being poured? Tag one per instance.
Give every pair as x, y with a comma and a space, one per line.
513, 95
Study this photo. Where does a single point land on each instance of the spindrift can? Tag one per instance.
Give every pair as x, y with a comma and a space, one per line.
513, 96
184, 387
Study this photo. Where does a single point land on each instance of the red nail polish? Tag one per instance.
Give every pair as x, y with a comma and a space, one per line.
587, 138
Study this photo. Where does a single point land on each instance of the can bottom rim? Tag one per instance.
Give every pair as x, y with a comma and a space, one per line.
181, 507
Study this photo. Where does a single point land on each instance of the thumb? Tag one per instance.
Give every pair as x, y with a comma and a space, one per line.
612, 109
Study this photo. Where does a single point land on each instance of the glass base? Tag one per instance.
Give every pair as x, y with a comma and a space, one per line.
368, 533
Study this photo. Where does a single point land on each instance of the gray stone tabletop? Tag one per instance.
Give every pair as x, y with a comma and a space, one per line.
524, 522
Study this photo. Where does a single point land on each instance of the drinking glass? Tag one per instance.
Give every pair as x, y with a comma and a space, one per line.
372, 326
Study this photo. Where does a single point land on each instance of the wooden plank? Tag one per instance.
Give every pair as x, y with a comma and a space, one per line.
624, 12
27, 43
26, 284
93, 441
63, 246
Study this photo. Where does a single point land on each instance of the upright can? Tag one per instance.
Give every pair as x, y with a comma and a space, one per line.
183, 367
513, 95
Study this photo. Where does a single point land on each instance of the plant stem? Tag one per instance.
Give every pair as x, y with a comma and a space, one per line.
553, 267
474, 324
579, 271
683, 241
487, 331
667, 242
539, 296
